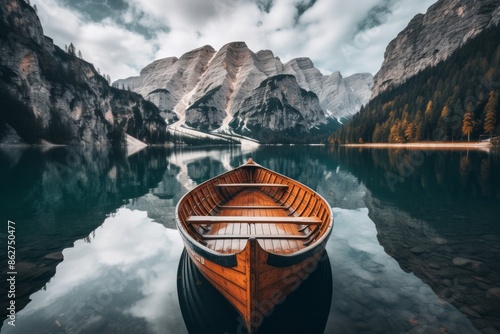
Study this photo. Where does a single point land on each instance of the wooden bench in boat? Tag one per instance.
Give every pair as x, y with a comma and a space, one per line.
252, 207
197, 220
252, 185
256, 236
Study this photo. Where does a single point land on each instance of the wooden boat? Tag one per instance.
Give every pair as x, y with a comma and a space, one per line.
205, 310
256, 235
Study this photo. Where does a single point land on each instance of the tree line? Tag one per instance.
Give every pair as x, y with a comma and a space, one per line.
458, 99
72, 51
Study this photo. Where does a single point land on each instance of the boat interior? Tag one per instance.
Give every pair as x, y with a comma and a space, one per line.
251, 201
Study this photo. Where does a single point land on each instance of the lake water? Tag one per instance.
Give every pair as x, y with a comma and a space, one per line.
415, 247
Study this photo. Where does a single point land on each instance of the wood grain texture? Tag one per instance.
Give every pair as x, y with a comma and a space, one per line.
252, 214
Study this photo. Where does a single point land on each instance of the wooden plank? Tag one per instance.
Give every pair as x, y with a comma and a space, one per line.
253, 220
235, 244
227, 245
289, 245
252, 207
258, 230
252, 185
273, 230
256, 236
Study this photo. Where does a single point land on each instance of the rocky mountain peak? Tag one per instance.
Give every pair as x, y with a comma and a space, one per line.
224, 87
164, 62
303, 63
433, 37
265, 54
51, 96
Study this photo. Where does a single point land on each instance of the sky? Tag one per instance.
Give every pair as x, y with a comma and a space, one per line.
120, 37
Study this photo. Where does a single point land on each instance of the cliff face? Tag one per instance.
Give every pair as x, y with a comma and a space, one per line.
236, 88
338, 96
278, 104
50, 95
433, 37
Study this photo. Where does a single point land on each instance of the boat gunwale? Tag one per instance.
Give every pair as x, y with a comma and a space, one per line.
274, 259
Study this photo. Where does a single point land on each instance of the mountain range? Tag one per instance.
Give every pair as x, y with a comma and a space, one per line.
231, 94
237, 90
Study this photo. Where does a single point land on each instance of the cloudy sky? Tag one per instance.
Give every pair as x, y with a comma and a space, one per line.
122, 36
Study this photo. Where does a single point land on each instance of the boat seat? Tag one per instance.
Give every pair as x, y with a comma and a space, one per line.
256, 236
253, 207
196, 220
251, 185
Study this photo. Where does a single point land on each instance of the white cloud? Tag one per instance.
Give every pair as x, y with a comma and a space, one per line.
326, 33
113, 49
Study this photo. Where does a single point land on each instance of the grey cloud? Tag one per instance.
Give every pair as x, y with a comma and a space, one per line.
377, 15
303, 6
96, 10
338, 35
265, 5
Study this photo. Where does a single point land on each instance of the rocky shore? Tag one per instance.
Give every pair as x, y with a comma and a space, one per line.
462, 269
427, 145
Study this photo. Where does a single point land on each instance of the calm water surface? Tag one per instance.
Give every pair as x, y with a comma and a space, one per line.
415, 245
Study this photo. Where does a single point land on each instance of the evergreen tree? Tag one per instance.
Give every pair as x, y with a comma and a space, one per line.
71, 49
429, 109
377, 134
443, 124
468, 124
490, 119
462, 81
410, 132
80, 54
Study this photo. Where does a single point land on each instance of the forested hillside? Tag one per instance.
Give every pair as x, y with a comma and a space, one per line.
458, 99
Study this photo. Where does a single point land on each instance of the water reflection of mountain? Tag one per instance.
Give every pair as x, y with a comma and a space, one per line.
205, 310
185, 169
317, 168
437, 214
433, 178
62, 195
189, 167
445, 208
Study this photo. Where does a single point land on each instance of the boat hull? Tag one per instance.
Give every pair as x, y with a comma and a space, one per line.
206, 310
253, 286
254, 253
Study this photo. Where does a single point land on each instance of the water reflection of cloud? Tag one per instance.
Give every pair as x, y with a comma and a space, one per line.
129, 243
364, 274
130, 258
360, 236
159, 304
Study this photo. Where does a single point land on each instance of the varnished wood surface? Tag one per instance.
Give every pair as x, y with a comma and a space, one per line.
252, 185
224, 207
252, 218
255, 197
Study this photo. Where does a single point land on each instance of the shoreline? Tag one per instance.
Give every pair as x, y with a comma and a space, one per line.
426, 145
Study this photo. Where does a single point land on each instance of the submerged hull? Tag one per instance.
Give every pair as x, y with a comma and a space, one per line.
255, 253
205, 310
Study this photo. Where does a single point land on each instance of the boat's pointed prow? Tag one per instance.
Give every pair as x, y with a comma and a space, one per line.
255, 234
256, 255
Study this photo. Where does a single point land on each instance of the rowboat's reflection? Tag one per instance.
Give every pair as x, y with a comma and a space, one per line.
205, 310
